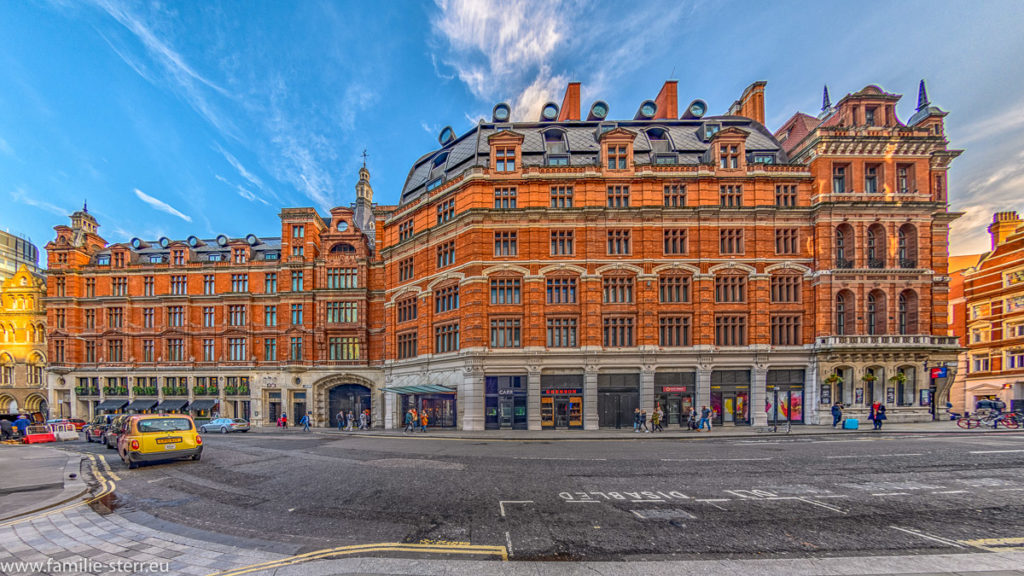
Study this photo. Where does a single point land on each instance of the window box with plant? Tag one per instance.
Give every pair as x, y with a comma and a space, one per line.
899, 378
229, 390
833, 379
869, 378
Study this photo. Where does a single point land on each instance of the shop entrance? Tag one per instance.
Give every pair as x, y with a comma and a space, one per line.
561, 401
505, 403
440, 408
785, 396
347, 398
673, 392
730, 397
618, 395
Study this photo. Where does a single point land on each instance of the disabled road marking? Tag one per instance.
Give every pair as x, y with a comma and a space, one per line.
646, 496
920, 534
501, 504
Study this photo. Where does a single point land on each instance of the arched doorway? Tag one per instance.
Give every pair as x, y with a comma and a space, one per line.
347, 397
8, 405
36, 403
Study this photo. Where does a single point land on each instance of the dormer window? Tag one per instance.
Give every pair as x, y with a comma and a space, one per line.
729, 157
179, 257
103, 260
659, 140
616, 157
119, 259
710, 130
764, 159
505, 159
869, 115
215, 257
434, 183
239, 256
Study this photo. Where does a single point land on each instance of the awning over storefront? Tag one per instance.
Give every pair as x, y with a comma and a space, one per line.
148, 404
110, 405
170, 405
202, 405
420, 389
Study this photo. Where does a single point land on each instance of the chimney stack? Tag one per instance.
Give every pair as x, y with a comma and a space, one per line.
570, 109
1003, 224
751, 103
667, 101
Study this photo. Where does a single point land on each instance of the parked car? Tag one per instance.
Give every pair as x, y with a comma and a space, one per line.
95, 429
114, 430
225, 425
78, 422
151, 437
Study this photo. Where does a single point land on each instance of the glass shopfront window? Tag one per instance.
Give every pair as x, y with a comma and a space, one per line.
505, 403
785, 396
618, 395
561, 401
673, 393
730, 397
440, 408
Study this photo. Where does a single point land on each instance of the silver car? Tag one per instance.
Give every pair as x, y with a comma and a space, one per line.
225, 425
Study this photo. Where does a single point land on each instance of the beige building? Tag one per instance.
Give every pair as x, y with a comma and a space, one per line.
23, 344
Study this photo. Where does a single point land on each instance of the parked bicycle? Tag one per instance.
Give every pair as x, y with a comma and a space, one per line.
992, 419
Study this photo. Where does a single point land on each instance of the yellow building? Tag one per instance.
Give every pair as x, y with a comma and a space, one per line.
23, 344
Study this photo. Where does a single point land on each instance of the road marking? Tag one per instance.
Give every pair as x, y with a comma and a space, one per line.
874, 456
158, 479
441, 548
714, 459
927, 536
1008, 489
106, 467
663, 514
713, 502
508, 542
822, 505
994, 451
501, 504
583, 501
891, 494
951, 492
994, 542
559, 458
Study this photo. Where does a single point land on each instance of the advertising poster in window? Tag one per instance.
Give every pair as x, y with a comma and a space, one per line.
826, 395
796, 405
858, 396
926, 397
890, 396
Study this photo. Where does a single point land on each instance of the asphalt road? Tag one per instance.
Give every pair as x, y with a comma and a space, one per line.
646, 499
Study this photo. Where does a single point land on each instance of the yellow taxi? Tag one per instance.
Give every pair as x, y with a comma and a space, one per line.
152, 437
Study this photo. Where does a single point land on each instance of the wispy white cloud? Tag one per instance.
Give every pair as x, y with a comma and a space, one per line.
5, 148
987, 128
545, 88
242, 190
247, 175
160, 205
19, 195
983, 197
187, 81
503, 47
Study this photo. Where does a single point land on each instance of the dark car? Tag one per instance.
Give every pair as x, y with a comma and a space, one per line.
95, 429
114, 431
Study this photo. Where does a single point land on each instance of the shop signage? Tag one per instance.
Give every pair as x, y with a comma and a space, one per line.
562, 391
506, 392
939, 372
673, 388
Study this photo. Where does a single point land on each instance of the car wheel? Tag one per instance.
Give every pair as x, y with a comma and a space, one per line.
132, 465
197, 457
110, 446
223, 430
202, 429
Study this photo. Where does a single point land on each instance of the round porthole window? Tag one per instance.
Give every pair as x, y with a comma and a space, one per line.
342, 226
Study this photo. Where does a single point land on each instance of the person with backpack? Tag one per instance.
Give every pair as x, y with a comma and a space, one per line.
423, 421
410, 419
305, 422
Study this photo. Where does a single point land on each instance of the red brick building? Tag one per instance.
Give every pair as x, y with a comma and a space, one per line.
558, 273
994, 323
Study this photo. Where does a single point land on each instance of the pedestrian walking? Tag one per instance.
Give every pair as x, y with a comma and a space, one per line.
369, 418
6, 429
423, 421
879, 416
351, 421
837, 413
284, 420
691, 419
305, 422
341, 419
656, 420
643, 422
636, 420
705, 419
362, 420
410, 419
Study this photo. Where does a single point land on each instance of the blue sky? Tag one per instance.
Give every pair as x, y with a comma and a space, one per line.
208, 117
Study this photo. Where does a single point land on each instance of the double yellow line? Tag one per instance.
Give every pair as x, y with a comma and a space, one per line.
423, 548
107, 487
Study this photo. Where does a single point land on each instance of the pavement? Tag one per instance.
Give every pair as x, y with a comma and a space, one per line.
935, 427
915, 499
29, 468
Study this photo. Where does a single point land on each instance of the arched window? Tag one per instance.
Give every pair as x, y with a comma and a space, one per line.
907, 246
342, 248
871, 314
843, 307
875, 313
906, 312
876, 246
844, 246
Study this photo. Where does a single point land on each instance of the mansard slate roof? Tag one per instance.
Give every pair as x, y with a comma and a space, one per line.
581, 138
200, 248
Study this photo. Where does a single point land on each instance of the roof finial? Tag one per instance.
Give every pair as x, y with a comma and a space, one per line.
922, 96
364, 157
825, 102
85, 206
